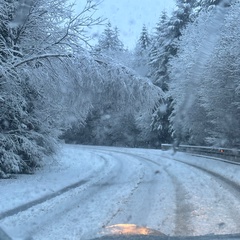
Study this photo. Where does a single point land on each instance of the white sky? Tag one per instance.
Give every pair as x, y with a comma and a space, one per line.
129, 16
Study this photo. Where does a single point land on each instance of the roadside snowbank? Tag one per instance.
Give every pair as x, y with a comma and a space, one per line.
70, 165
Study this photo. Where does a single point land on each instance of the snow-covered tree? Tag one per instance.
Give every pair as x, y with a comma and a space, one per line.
111, 47
109, 40
144, 40
221, 96
141, 52
159, 53
38, 40
116, 106
204, 80
164, 47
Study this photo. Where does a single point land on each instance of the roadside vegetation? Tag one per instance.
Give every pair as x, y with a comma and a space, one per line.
179, 84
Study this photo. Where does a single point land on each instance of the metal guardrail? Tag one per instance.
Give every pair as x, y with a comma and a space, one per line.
225, 153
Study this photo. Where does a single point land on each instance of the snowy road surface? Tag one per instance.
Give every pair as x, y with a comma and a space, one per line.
89, 188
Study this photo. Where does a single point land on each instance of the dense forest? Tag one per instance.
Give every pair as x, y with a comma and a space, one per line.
179, 85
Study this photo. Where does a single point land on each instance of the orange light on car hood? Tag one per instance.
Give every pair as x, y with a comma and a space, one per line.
130, 229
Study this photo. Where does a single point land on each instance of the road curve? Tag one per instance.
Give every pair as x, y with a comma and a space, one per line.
144, 187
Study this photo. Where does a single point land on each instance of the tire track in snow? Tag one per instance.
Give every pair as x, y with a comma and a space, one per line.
230, 186
227, 182
59, 214
33, 203
45, 198
100, 203
183, 206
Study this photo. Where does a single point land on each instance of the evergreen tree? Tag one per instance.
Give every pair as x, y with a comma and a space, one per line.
141, 52
167, 33
221, 95
109, 40
204, 80
159, 53
35, 62
165, 47
144, 40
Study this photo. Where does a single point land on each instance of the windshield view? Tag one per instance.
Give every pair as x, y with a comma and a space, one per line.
119, 119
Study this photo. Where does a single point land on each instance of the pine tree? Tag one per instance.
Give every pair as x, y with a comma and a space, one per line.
141, 52
204, 80
109, 40
221, 94
167, 34
159, 54
144, 39
164, 47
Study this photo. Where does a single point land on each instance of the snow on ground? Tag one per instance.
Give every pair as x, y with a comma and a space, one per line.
71, 164
230, 171
110, 183
122, 185
205, 201
227, 170
217, 165
202, 204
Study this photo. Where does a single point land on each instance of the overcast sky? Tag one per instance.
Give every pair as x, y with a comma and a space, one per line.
129, 16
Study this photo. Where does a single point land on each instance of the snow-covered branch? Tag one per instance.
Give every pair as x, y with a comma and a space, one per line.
44, 56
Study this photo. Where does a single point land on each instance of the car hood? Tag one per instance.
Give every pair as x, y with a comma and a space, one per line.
134, 232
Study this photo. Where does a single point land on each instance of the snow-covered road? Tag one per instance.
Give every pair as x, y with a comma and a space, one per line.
89, 188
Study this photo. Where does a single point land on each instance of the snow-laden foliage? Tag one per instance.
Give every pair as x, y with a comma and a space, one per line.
120, 106
159, 53
141, 53
48, 82
205, 79
124, 84
221, 97
109, 41
120, 96
38, 40
144, 40
163, 48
